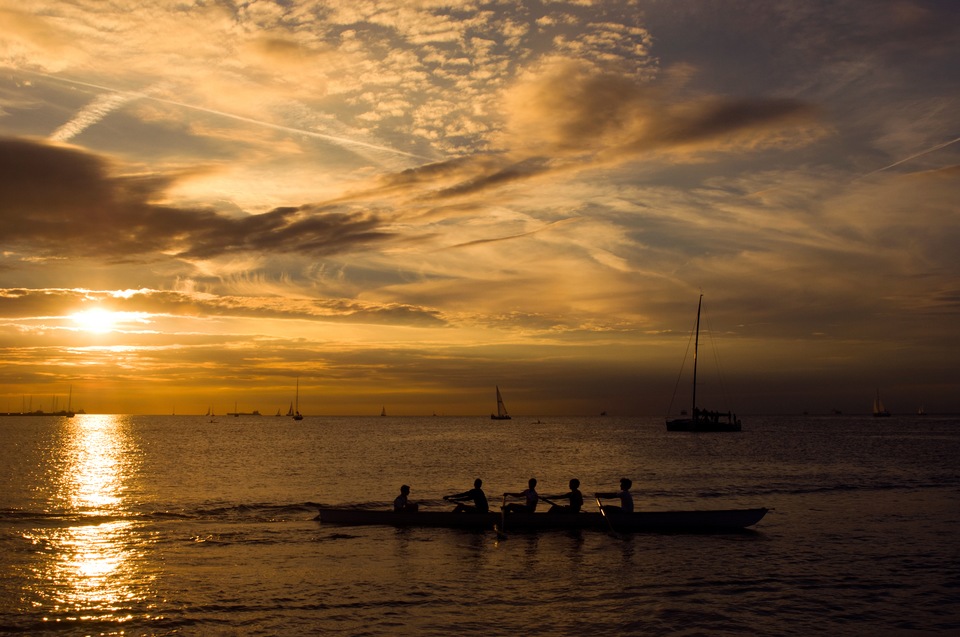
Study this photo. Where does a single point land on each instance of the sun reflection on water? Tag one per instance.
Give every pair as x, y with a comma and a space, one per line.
92, 568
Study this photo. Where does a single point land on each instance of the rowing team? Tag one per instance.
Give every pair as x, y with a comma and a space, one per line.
530, 499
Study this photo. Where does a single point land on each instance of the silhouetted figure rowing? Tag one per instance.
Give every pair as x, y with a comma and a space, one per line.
402, 504
573, 496
475, 494
626, 499
530, 499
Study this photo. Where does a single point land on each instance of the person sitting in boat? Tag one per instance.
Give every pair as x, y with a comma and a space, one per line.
402, 505
530, 499
476, 494
626, 499
574, 496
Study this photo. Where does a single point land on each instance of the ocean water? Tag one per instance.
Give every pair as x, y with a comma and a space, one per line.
176, 525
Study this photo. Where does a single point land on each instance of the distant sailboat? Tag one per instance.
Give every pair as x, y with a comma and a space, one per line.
879, 411
296, 412
703, 420
921, 411
278, 412
501, 410
383, 410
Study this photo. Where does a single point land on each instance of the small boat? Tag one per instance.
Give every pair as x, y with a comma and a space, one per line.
383, 410
236, 413
879, 411
703, 420
501, 410
716, 520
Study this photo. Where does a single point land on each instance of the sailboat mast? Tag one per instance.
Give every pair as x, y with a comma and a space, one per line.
696, 345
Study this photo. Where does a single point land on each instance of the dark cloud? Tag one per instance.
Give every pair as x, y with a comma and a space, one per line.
577, 110
517, 171
61, 201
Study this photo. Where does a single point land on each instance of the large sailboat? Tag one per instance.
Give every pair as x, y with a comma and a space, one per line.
501, 410
879, 411
702, 419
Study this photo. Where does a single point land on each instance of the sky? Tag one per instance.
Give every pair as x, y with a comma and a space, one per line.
405, 204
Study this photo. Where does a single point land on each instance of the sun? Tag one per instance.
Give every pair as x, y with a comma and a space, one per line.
97, 321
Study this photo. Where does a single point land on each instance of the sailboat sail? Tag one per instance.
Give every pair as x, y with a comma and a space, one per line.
296, 412
703, 419
879, 411
501, 409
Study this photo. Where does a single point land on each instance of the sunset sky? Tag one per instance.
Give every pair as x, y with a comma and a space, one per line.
407, 203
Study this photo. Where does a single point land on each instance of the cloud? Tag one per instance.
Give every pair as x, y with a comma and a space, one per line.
571, 108
48, 305
61, 201
571, 116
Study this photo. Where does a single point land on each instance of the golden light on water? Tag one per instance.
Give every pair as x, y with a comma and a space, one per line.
93, 563
93, 480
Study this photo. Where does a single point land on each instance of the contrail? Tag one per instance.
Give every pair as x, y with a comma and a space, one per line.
90, 114
878, 170
920, 154
553, 224
333, 138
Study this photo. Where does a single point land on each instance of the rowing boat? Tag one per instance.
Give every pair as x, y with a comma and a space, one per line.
670, 521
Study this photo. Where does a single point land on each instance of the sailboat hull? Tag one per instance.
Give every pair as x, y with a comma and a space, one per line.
689, 424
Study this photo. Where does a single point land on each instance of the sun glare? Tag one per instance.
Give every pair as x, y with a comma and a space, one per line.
102, 321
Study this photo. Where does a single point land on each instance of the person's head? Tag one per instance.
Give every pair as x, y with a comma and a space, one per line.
574, 484
532, 482
405, 490
477, 483
626, 483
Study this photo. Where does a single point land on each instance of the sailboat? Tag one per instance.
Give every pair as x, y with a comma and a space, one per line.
501, 410
296, 412
383, 410
879, 411
703, 419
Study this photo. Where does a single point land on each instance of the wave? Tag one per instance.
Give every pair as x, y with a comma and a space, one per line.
301, 511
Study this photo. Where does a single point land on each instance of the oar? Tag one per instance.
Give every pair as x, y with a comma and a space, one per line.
549, 501
502, 532
606, 517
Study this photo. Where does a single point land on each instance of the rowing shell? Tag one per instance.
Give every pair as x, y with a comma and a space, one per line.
671, 521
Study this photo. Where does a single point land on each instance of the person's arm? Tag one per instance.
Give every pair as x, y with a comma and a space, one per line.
457, 496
